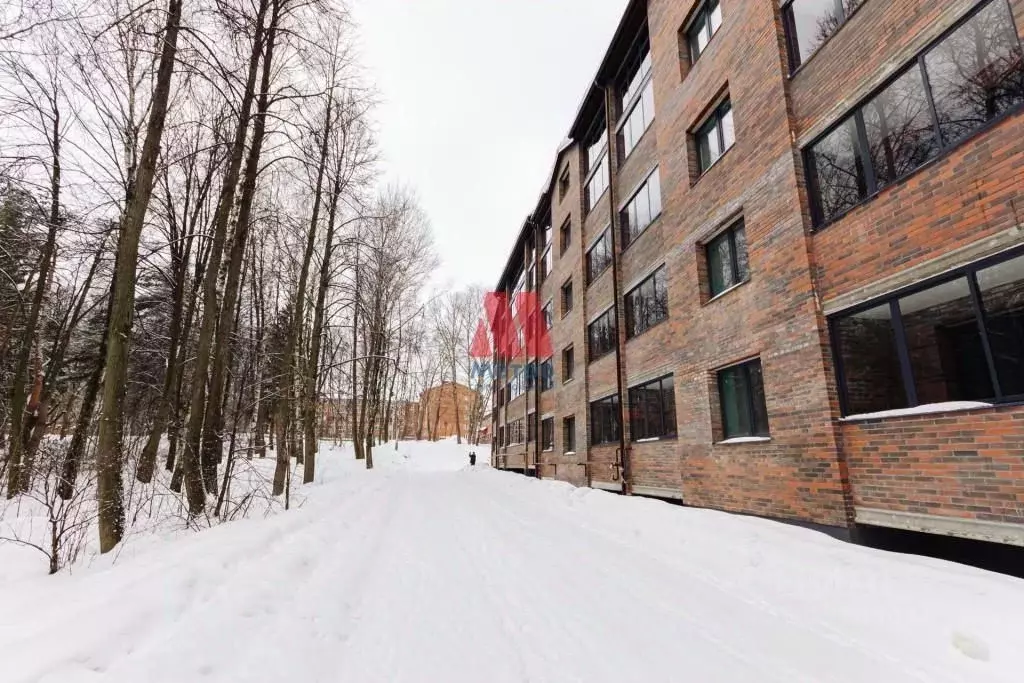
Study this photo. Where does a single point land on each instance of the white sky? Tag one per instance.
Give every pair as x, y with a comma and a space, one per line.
477, 96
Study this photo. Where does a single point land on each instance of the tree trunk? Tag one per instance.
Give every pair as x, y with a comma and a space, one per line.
200, 475
108, 448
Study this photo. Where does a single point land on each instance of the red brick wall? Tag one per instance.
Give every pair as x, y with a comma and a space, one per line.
967, 464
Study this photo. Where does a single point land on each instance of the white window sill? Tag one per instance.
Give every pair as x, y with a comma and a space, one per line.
744, 439
569, 453
926, 409
650, 440
718, 296
548, 450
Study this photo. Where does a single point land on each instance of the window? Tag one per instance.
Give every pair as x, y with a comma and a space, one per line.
637, 102
531, 427
809, 23
638, 120
705, 24
566, 298
547, 315
563, 183
604, 421
973, 75
652, 410
547, 434
597, 164
642, 209
647, 304
715, 137
960, 338
501, 436
515, 433
569, 434
601, 335
546, 265
568, 364
741, 392
547, 375
600, 256
727, 259
565, 234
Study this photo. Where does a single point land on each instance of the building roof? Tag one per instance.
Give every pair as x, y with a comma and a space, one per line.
632, 21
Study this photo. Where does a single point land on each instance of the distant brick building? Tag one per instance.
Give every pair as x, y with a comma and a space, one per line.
446, 410
336, 418
772, 221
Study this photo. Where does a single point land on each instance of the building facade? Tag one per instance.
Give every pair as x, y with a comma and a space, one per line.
780, 262
447, 410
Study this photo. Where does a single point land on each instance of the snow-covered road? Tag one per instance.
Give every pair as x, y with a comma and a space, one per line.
423, 571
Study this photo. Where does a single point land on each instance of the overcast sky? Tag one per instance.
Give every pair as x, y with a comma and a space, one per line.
477, 96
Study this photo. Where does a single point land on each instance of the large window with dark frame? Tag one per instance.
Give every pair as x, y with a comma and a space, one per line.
705, 23
958, 338
547, 264
563, 183
809, 23
726, 257
652, 410
548, 315
969, 77
647, 303
715, 136
605, 422
601, 335
642, 209
600, 256
569, 434
637, 97
567, 299
741, 394
597, 164
547, 434
531, 428
514, 433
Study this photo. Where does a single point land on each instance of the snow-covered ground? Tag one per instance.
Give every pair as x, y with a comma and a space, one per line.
426, 570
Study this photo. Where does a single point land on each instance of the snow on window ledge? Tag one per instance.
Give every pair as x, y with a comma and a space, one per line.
649, 440
744, 439
569, 453
926, 409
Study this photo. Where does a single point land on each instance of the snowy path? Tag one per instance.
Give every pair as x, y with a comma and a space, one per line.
410, 575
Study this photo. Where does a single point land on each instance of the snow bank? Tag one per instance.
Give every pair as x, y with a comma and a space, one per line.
427, 570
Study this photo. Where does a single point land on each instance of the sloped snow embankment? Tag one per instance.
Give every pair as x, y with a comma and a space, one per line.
425, 570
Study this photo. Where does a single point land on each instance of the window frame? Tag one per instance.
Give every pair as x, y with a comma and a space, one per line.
854, 116
728, 233
565, 237
598, 131
703, 11
569, 435
628, 237
796, 62
591, 358
547, 434
564, 181
671, 433
547, 379
651, 278
615, 406
969, 272
567, 287
745, 367
591, 275
568, 368
714, 120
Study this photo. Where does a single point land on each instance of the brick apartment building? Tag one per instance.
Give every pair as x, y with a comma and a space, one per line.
447, 410
771, 222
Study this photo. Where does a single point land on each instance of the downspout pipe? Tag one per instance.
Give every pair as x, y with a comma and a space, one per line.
624, 455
